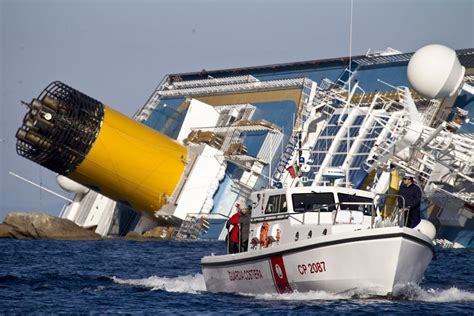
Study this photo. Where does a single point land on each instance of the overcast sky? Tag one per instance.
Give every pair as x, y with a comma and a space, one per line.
118, 51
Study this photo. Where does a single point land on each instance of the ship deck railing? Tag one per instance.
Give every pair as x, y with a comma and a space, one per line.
238, 87
196, 224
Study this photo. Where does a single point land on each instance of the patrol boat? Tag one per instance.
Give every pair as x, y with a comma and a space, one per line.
322, 238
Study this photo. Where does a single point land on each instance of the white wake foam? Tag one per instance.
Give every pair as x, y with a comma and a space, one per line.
408, 292
194, 284
183, 284
416, 293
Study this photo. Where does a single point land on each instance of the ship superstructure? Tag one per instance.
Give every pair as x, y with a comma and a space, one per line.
302, 124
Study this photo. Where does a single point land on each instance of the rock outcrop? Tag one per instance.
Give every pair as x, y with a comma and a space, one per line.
8, 232
43, 226
157, 233
160, 232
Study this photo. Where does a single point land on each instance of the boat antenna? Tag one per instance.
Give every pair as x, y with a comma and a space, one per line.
350, 46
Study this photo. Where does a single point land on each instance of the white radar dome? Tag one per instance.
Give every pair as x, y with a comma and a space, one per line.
434, 71
70, 185
427, 228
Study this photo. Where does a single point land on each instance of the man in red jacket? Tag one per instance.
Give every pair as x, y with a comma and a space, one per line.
234, 238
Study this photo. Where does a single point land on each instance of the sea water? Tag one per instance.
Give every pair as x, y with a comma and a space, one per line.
164, 277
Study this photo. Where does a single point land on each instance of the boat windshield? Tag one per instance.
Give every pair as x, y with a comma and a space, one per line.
305, 202
354, 202
276, 204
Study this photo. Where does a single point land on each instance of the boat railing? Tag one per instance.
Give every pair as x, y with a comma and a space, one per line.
398, 216
397, 212
275, 217
300, 217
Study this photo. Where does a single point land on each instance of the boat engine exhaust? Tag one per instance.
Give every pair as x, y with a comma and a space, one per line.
76, 136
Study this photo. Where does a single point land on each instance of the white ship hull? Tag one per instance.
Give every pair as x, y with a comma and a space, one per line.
375, 260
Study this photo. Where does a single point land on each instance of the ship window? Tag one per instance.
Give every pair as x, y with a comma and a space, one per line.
346, 199
276, 204
305, 202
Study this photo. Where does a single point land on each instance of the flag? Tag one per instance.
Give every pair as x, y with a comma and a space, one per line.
294, 171
291, 170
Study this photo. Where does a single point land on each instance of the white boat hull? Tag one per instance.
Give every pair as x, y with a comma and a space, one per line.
375, 260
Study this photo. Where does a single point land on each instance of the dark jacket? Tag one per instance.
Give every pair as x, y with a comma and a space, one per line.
244, 222
412, 196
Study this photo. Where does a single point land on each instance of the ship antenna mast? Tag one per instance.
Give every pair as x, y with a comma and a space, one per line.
349, 94
350, 45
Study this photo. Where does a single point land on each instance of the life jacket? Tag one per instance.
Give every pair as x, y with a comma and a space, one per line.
264, 235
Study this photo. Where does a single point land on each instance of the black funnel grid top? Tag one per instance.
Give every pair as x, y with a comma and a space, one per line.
60, 128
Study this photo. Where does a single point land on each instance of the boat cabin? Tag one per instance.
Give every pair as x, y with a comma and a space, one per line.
287, 215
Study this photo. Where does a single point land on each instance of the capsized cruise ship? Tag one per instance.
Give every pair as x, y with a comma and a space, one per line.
347, 121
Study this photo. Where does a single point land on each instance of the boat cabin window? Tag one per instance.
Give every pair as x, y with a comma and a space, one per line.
276, 204
346, 199
305, 202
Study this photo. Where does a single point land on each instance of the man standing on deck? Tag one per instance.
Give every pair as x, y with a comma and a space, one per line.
234, 236
244, 222
411, 194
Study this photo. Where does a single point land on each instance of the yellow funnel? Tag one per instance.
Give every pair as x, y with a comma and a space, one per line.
101, 148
